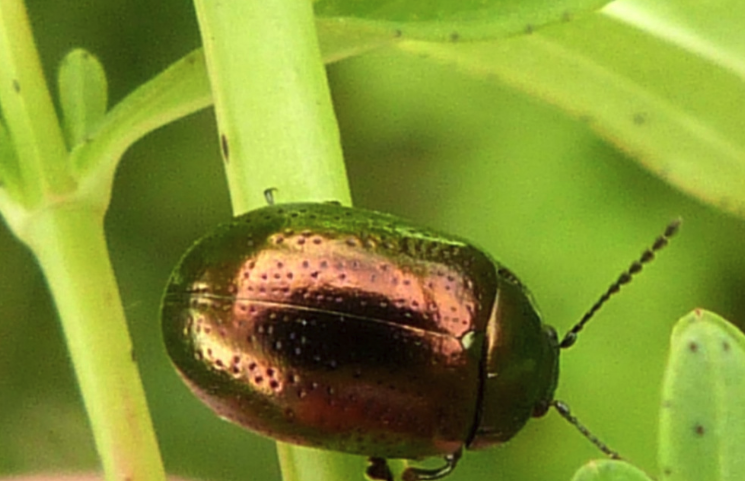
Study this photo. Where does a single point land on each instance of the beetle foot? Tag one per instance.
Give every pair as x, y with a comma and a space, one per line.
420, 474
378, 470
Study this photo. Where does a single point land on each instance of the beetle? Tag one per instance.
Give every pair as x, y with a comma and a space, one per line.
356, 331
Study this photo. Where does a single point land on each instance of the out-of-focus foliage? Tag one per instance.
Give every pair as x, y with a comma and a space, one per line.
540, 191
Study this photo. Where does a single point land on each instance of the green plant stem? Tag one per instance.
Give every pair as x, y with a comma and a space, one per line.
178, 91
70, 245
273, 106
28, 110
45, 206
277, 130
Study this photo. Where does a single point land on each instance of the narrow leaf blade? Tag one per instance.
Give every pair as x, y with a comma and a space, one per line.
446, 20
83, 95
671, 108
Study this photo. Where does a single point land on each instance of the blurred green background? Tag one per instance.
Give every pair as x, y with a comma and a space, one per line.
535, 188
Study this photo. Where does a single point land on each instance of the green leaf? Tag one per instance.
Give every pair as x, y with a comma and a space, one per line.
339, 40
675, 109
83, 95
181, 89
446, 20
609, 470
702, 422
712, 29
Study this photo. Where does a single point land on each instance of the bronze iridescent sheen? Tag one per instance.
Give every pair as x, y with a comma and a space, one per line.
356, 331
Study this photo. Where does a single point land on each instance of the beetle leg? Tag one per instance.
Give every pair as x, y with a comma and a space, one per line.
420, 474
378, 470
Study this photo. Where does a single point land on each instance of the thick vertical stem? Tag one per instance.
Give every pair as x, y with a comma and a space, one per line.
274, 112
277, 130
70, 246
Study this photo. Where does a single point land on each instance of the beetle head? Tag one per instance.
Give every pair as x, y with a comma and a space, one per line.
521, 365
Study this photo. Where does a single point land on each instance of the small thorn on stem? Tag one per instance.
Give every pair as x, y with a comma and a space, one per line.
269, 195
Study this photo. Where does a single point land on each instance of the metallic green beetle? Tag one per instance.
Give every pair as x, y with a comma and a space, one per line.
356, 331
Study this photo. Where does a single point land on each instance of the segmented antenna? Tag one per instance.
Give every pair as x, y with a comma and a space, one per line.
647, 256
563, 409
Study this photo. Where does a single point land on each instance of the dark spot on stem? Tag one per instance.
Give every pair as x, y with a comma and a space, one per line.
699, 430
640, 118
454, 37
693, 347
225, 148
16, 86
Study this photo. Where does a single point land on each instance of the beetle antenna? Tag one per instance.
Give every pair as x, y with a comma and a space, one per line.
647, 256
563, 409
